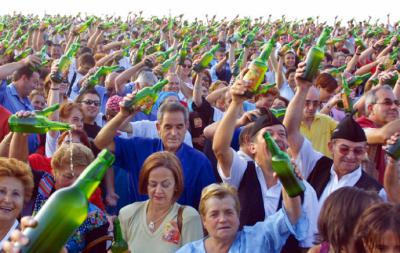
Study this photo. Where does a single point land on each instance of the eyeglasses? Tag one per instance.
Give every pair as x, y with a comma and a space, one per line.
205, 79
345, 150
91, 102
186, 66
389, 102
315, 103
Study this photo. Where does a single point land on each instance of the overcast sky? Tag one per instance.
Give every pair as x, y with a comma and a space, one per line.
327, 10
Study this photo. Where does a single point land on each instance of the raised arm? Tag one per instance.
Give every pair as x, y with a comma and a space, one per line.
224, 132
294, 112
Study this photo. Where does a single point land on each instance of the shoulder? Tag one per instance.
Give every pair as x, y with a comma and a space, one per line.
190, 213
130, 210
196, 246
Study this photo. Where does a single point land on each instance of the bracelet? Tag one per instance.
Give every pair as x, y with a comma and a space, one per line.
54, 88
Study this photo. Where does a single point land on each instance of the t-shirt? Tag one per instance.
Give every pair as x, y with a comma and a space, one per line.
167, 237
4, 115
197, 172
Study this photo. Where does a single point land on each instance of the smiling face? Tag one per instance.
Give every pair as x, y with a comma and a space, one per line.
221, 219
11, 198
161, 186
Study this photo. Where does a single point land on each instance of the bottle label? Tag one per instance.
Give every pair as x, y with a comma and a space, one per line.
253, 77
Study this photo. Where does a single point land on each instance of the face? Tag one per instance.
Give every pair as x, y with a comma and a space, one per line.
173, 84
278, 104
265, 101
390, 243
289, 60
325, 94
186, 67
76, 118
11, 198
161, 186
109, 84
385, 108
205, 81
55, 52
312, 104
291, 80
38, 102
29, 84
84, 68
65, 177
172, 130
221, 219
347, 155
90, 106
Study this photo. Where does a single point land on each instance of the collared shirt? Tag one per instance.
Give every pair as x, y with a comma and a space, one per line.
267, 236
271, 195
10, 99
197, 171
320, 132
335, 183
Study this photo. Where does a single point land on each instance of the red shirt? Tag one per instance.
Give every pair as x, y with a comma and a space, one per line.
4, 115
380, 153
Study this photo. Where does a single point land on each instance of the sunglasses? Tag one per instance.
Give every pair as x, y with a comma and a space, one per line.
389, 102
91, 102
345, 150
186, 66
315, 103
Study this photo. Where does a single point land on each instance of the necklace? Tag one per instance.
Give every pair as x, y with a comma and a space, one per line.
152, 223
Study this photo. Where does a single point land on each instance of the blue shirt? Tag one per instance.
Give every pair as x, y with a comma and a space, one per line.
10, 99
266, 236
197, 172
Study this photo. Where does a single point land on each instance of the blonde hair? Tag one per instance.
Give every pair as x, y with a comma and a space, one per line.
81, 156
219, 191
11, 167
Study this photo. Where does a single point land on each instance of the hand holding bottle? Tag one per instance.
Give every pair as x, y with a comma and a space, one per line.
32, 60
300, 82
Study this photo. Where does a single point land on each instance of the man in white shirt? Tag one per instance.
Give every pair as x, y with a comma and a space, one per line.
348, 147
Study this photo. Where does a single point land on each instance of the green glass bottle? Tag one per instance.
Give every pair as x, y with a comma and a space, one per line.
206, 59
257, 69
146, 97
278, 112
183, 52
95, 78
118, 245
66, 209
64, 62
140, 52
203, 42
165, 66
250, 37
46, 112
282, 166
163, 55
357, 80
237, 66
285, 48
35, 124
315, 56
23, 54
359, 43
264, 88
85, 25
106, 25
155, 48
394, 150
235, 37
337, 71
346, 103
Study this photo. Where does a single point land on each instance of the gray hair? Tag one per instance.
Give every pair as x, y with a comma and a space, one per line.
371, 98
147, 77
172, 107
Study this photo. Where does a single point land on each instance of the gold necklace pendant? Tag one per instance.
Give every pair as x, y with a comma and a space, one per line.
152, 226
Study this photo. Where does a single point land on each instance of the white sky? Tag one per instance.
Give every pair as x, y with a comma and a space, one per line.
327, 10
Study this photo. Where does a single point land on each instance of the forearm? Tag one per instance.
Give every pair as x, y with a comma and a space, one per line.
351, 66
19, 147
7, 69
197, 99
213, 96
294, 112
279, 74
106, 135
92, 40
366, 68
365, 54
125, 77
5, 145
292, 207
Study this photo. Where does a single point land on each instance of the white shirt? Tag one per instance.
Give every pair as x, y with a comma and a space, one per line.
272, 194
148, 129
8, 235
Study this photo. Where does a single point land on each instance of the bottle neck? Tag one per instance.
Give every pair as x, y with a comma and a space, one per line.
272, 146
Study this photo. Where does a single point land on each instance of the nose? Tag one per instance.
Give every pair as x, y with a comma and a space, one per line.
158, 188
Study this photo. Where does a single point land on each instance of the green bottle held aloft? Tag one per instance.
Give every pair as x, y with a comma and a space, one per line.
235, 37
394, 150
95, 78
257, 69
336, 71
38, 124
357, 80
278, 112
146, 97
203, 42
183, 52
24, 54
346, 102
64, 62
66, 209
140, 52
264, 88
250, 37
282, 165
85, 25
46, 112
359, 43
118, 245
285, 48
165, 66
237, 66
206, 59
315, 56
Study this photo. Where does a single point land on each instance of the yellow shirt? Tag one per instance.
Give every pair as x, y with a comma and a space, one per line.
320, 132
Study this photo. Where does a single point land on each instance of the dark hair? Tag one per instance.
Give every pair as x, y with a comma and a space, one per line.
245, 132
289, 71
339, 215
85, 50
86, 58
172, 107
373, 224
82, 95
26, 71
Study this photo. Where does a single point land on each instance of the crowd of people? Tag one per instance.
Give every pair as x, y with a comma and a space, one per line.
192, 170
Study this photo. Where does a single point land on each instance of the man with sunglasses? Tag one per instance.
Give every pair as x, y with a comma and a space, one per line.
348, 147
381, 122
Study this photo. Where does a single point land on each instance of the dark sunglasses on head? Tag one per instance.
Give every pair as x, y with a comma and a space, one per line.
91, 102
